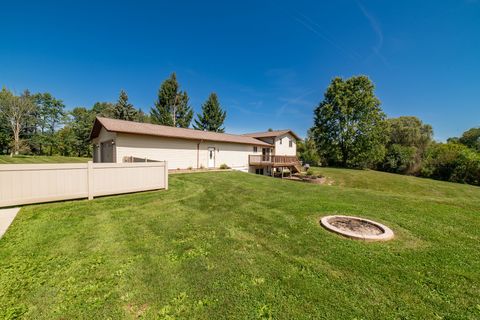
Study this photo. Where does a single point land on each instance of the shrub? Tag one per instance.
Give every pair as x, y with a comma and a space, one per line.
310, 172
452, 162
307, 151
224, 166
400, 159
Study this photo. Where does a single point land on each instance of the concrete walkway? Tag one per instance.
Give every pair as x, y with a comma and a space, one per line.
6, 218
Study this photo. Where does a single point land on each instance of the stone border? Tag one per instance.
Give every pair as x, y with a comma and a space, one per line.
386, 235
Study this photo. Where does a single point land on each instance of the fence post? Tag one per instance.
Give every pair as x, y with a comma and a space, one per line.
166, 174
90, 179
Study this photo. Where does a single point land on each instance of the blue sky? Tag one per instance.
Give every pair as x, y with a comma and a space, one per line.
269, 61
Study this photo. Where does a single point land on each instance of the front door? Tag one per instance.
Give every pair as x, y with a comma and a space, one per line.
211, 157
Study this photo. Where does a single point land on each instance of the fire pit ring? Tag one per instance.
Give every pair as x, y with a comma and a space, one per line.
357, 228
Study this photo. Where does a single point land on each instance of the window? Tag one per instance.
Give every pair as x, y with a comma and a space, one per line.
290, 143
281, 141
255, 149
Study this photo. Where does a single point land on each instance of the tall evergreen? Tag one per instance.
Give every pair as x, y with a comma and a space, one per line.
171, 107
212, 116
124, 110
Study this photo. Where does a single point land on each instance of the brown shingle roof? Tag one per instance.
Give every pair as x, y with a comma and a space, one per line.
268, 134
114, 125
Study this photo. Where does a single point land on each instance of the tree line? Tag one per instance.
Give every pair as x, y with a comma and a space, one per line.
39, 124
351, 130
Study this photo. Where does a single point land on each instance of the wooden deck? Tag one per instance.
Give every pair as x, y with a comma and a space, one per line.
272, 161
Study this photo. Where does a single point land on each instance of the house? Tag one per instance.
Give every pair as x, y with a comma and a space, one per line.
127, 141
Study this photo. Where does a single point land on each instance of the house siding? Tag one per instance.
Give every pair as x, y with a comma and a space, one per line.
284, 149
182, 153
232, 154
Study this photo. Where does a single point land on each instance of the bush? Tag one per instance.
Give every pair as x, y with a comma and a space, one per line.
224, 166
400, 159
307, 152
310, 172
452, 162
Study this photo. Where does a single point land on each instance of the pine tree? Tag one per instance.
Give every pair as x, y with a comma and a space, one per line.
212, 116
171, 107
124, 110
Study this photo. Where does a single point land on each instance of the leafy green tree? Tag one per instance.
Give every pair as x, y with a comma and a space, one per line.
409, 139
5, 135
142, 117
452, 162
124, 110
172, 105
400, 158
307, 151
81, 125
16, 110
66, 142
212, 117
349, 124
471, 138
49, 115
103, 109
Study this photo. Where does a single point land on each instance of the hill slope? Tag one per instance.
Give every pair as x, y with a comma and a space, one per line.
235, 245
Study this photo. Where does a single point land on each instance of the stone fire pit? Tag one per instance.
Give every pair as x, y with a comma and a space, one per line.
357, 228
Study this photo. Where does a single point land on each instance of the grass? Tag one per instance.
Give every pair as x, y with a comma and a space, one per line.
234, 245
40, 159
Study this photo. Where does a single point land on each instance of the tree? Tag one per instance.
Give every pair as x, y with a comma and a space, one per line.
307, 151
124, 110
142, 117
49, 115
471, 138
81, 126
452, 162
103, 109
401, 159
5, 135
349, 125
171, 107
16, 109
66, 142
409, 139
212, 116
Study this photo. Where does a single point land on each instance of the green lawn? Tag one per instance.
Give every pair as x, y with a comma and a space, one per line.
40, 159
234, 245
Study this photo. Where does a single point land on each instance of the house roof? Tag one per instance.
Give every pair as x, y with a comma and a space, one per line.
270, 134
131, 127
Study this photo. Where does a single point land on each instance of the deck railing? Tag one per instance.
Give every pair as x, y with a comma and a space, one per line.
266, 159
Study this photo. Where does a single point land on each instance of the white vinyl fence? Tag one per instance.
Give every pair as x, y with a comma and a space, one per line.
34, 183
